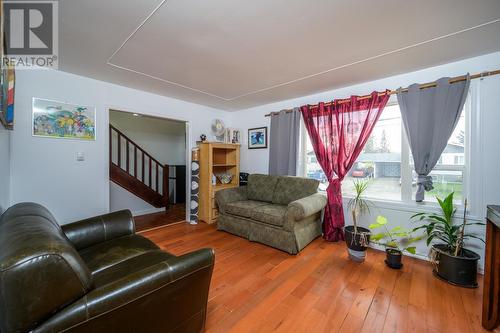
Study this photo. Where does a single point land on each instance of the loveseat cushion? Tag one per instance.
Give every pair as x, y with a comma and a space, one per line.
104, 255
261, 187
291, 188
270, 214
243, 208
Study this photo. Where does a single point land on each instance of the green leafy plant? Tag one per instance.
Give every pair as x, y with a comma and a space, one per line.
441, 226
359, 205
396, 238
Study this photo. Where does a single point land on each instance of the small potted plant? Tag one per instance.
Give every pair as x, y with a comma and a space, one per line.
453, 263
396, 242
357, 238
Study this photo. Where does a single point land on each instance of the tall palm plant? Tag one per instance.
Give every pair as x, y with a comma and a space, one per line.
358, 205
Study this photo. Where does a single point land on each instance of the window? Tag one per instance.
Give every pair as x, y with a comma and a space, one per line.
387, 163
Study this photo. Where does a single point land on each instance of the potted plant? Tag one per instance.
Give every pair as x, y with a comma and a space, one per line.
396, 242
452, 262
357, 238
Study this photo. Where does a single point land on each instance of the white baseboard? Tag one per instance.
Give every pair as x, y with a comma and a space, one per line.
148, 211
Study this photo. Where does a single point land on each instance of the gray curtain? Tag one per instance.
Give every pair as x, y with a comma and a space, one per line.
429, 117
284, 142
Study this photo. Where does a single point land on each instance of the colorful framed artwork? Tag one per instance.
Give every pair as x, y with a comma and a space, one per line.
7, 84
53, 119
257, 138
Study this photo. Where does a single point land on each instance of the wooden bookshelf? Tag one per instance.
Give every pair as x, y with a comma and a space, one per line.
216, 158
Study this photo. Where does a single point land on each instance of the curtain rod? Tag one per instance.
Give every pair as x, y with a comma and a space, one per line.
423, 86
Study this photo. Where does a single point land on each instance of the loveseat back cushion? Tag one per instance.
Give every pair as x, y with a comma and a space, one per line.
40, 271
261, 187
291, 188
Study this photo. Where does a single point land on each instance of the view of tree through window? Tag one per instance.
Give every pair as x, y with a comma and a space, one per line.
390, 172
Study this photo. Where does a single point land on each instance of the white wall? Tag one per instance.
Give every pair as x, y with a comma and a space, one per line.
4, 169
164, 139
485, 136
45, 170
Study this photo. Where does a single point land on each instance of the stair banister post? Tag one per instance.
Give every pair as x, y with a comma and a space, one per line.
166, 177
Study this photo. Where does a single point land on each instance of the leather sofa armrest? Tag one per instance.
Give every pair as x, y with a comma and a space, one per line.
302, 208
98, 229
229, 195
169, 296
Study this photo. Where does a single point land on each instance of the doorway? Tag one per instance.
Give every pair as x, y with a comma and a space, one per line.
147, 168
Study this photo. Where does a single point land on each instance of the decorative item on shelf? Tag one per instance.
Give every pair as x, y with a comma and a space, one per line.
195, 186
219, 130
397, 241
452, 262
357, 238
203, 138
257, 138
54, 119
214, 180
232, 136
224, 178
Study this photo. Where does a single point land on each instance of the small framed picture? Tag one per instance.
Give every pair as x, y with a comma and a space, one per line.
257, 138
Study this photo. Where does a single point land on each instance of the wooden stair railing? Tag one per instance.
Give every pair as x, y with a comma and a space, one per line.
144, 184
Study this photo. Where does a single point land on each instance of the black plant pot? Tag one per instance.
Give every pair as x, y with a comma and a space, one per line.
393, 258
459, 270
358, 241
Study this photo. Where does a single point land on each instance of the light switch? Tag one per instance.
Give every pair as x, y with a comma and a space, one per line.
80, 156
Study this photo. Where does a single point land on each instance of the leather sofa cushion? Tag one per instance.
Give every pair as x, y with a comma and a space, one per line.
40, 270
270, 214
261, 187
103, 255
134, 264
290, 188
243, 208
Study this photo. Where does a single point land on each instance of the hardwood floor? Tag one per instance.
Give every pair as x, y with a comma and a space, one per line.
175, 213
256, 288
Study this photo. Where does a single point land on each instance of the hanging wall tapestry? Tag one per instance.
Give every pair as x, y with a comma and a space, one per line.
54, 119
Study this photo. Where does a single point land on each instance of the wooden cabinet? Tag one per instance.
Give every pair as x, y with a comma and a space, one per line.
216, 158
491, 289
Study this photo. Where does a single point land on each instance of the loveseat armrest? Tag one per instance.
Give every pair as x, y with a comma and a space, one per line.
168, 296
302, 208
100, 228
229, 195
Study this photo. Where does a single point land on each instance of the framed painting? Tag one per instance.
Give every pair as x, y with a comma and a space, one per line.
53, 119
257, 138
7, 82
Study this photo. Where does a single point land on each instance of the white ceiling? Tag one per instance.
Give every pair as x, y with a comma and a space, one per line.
236, 54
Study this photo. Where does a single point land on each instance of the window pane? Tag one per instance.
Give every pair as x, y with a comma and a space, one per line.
380, 161
313, 169
444, 182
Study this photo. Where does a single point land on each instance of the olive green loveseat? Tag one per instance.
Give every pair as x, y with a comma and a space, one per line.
280, 211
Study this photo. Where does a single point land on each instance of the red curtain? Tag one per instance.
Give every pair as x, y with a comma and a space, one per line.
338, 133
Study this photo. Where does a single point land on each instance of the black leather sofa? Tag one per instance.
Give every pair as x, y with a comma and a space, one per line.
95, 275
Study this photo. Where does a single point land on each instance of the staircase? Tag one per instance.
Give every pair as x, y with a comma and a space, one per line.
132, 168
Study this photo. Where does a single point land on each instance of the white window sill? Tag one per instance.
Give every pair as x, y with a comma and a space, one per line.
412, 207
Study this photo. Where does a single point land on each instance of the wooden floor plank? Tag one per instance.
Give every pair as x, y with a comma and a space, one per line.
256, 288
